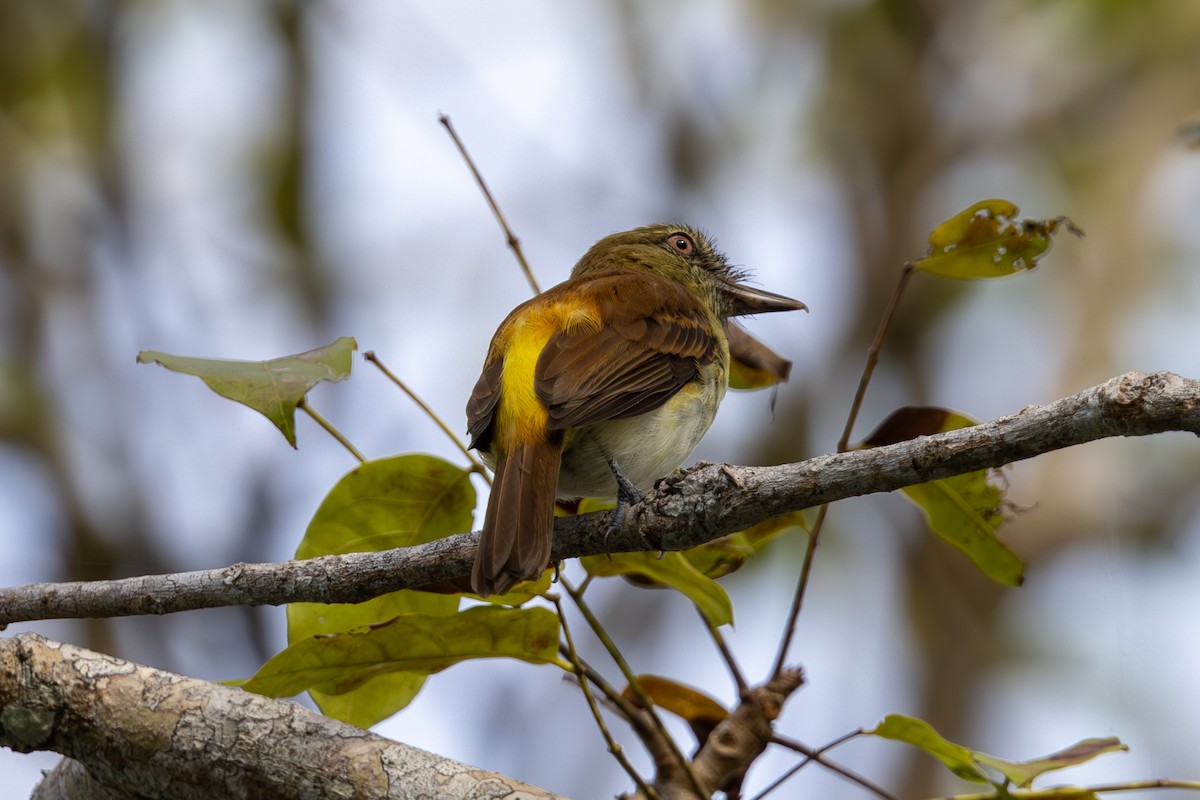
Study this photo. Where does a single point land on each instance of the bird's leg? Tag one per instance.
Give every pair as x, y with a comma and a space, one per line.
627, 495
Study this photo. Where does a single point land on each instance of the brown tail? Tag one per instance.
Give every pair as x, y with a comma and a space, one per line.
519, 527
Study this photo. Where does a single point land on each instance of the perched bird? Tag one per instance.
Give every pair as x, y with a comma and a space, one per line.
601, 385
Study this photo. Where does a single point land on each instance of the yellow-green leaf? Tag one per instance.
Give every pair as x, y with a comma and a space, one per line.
701, 712
412, 643
391, 502
682, 701
1023, 773
753, 365
969, 764
671, 570
380, 697
988, 241
273, 388
919, 733
728, 554
965, 510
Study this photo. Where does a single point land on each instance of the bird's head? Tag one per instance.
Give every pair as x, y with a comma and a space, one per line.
686, 255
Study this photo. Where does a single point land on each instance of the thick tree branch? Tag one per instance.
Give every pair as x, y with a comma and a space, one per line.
688, 509
145, 733
735, 742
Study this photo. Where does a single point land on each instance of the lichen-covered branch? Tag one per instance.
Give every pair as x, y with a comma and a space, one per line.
687, 509
142, 732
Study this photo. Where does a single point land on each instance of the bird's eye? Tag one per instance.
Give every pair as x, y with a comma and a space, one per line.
681, 243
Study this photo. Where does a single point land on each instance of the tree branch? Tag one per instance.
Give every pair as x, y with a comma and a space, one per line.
685, 510
145, 733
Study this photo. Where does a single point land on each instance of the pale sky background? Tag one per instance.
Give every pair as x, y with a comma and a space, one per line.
568, 111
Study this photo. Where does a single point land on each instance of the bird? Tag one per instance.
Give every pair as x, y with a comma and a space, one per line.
601, 385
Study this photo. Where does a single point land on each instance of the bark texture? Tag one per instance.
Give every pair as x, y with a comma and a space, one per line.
140, 732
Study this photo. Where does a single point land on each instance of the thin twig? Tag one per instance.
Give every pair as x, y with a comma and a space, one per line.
618, 700
634, 685
614, 747
814, 536
513, 241
429, 412
818, 755
730, 662
332, 431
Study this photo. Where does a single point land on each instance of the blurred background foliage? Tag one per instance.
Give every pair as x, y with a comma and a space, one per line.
247, 180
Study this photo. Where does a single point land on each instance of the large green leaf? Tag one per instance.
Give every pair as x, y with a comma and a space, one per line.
988, 241
965, 510
273, 388
413, 643
391, 502
380, 697
667, 569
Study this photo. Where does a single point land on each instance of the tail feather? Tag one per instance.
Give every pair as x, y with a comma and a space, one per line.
518, 529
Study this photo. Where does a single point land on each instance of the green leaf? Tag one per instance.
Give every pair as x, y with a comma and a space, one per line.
672, 570
969, 764
753, 365
392, 502
728, 554
919, 733
411, 643
273, 388
1023, 773
380, 697
965, 510
987, 241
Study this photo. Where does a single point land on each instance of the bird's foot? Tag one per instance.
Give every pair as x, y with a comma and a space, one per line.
627, 495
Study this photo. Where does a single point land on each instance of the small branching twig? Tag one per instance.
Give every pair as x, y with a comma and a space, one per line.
817, 755
614, 746
332, 431
814, 536
429, 412
513, 241
643, 702
731, 664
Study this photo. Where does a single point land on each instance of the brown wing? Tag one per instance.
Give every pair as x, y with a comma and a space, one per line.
653, 337
481, 406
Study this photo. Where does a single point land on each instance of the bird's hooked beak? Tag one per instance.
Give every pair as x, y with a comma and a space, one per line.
748, 300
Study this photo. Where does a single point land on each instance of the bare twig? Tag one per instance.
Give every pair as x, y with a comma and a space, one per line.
581, 676
511, 238
694, 507
817, 755
332, 431
680, 761
731, 664
814, 537
429, 412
